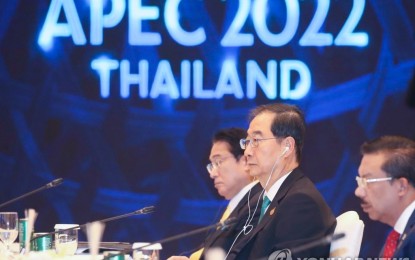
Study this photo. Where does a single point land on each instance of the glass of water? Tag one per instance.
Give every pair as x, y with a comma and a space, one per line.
66, 240
9, 223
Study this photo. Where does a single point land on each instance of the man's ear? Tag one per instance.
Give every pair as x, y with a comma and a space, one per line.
402, 185
288, 143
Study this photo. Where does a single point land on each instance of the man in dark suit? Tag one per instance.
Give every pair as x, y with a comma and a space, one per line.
232, 180
386, 187
297, 213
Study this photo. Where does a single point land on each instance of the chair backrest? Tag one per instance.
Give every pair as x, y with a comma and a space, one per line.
348, 246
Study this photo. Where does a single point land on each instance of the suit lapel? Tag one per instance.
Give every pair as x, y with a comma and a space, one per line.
410, 227
282, 192
255, 190
272, 210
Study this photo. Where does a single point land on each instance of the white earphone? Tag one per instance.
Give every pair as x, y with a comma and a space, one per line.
286, 149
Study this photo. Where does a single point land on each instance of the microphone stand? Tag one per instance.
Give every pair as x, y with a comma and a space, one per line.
145, 210
51, 184
286, 253
319, 242
222, 224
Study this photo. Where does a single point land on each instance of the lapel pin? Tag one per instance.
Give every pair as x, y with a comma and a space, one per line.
272, 212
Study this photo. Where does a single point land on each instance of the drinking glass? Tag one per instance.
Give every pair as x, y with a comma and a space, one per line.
9, 223
66, 241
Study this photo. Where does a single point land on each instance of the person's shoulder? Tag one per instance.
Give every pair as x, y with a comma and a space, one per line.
407, 249
304, 190
257, 188
250, 199
302, 181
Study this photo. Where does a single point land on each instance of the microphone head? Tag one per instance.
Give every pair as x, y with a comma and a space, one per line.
337, 236
54, 183
227, 223
330, 238
146, 210
230, 221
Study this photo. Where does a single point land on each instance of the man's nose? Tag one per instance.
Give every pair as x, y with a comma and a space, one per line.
214, 173
248, 150
360, 192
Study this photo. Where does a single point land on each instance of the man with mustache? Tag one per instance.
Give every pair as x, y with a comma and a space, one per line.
386, 188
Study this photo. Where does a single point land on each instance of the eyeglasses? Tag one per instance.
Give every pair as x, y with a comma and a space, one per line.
362, 182
254, 142
216, 164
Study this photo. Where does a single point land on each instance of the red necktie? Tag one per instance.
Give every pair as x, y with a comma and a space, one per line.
391, 243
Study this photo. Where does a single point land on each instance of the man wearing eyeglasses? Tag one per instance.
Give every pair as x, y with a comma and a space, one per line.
231, 179
293, 213
386, 188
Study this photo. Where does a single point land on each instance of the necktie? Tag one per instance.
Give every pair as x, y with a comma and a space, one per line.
265, 204
225, 214
391, 243
197, 255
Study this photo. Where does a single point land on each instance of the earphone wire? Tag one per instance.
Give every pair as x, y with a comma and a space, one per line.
250, 218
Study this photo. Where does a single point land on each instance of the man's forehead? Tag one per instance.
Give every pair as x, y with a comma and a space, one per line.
255, 133
219, 149
371, 165
374, 158
261, 124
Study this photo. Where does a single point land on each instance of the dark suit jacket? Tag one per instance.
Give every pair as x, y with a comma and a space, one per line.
225, 238
406, 243
296, 216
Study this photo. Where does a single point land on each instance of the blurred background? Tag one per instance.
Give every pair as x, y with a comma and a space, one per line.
121, 98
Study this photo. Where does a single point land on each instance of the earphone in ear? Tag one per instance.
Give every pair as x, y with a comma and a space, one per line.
285, 150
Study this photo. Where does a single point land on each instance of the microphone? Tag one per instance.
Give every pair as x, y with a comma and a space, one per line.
51, 184
288, 253
219, 225
54, 183
319, 242
145, 210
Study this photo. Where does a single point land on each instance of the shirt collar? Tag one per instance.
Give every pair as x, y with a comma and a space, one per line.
404, 218
239, 196
275, 187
